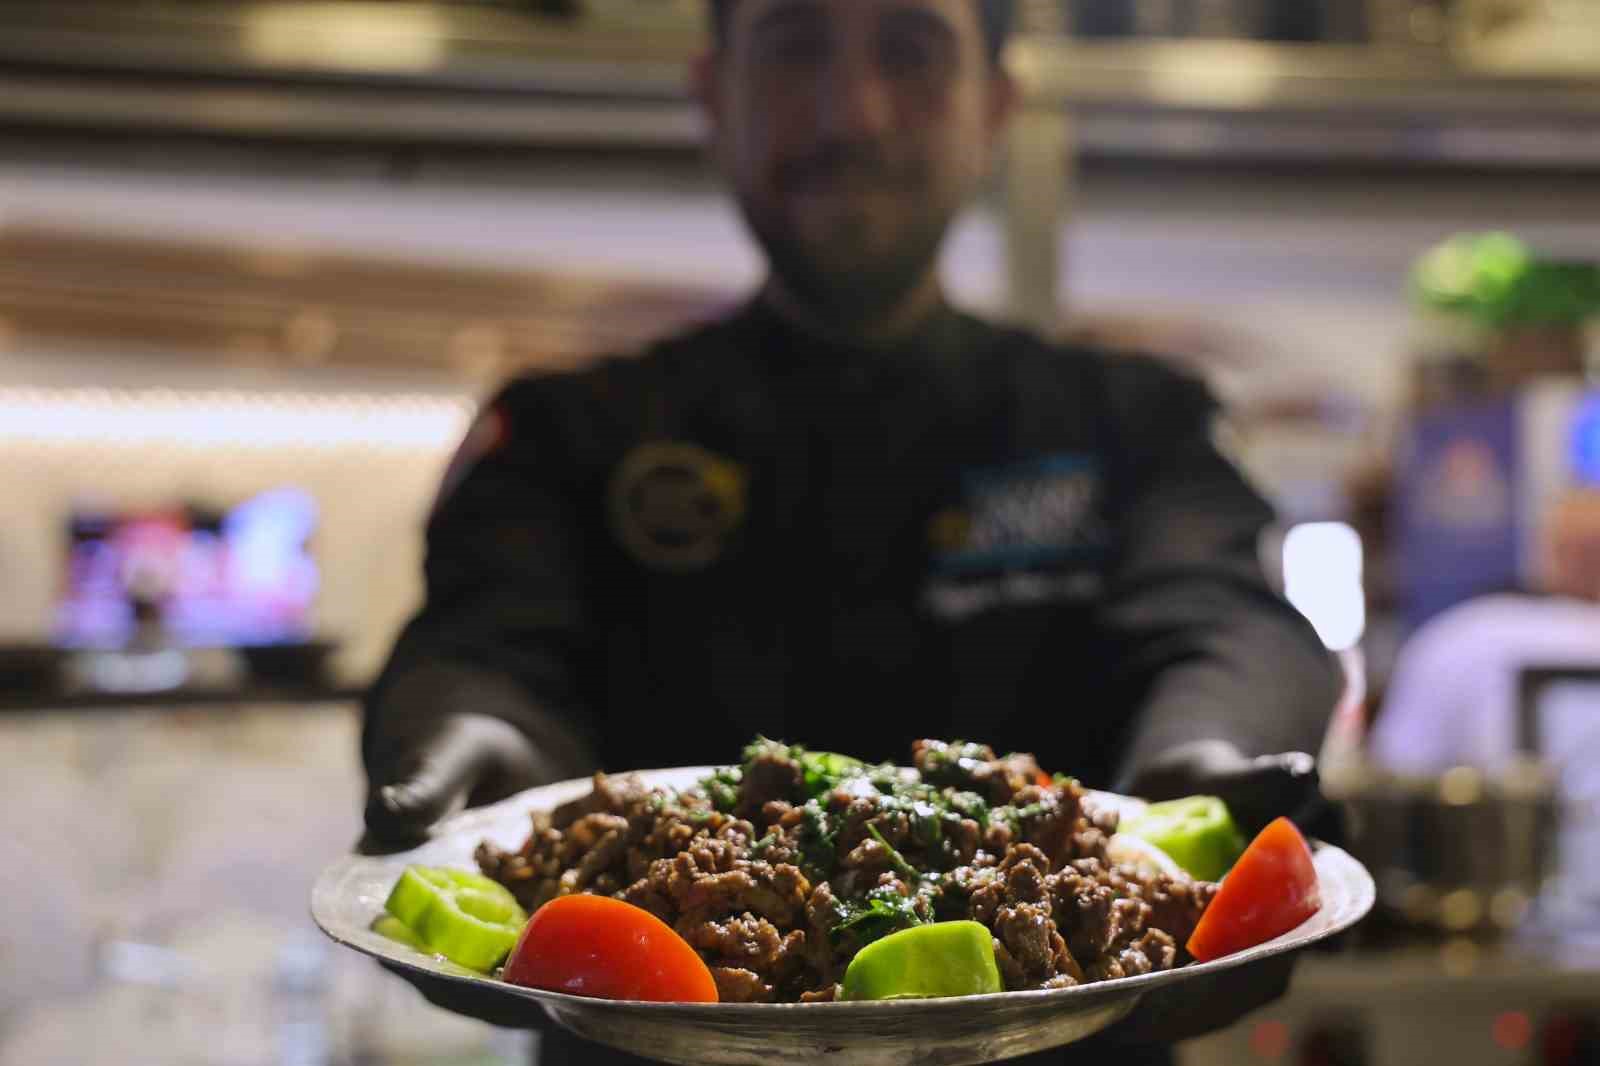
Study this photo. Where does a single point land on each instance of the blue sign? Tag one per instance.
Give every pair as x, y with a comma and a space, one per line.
1036, 514
1456, 513
1586, 442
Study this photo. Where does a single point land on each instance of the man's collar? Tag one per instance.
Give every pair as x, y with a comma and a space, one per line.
788, 340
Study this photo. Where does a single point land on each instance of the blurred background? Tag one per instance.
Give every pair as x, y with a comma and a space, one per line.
260, 261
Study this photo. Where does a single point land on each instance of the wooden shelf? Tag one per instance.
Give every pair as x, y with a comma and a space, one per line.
259, 304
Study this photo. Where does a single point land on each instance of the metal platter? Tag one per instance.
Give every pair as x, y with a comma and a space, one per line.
349, 895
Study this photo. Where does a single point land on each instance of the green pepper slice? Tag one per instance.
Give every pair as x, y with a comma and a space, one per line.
925, 962
466, 917
1197, 832
393, 928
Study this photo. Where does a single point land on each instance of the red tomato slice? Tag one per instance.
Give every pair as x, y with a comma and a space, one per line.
602, 947
1269, 891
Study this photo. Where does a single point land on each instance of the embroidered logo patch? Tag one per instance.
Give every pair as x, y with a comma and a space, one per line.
673, 504
1031, 515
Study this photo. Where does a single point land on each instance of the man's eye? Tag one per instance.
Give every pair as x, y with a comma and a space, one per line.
906, 56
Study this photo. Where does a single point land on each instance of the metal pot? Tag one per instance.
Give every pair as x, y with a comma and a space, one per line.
1465, 851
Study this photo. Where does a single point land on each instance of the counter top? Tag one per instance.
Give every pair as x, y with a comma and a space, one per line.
45, 678
1363, 973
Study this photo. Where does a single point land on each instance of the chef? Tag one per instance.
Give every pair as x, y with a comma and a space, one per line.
848, 514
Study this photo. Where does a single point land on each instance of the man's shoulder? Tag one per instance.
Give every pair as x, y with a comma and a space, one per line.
1130, 366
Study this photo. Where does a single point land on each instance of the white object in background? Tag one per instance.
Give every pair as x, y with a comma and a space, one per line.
1322, 567
1345, 741
1452, 698
1322, 564
219, 418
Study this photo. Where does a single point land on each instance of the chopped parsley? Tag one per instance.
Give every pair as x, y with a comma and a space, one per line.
723, 788
760, 848
818, 835
882, 912
896, 860
825, 770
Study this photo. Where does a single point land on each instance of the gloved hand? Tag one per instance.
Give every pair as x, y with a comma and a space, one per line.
429, 770
426, 770
1256, 790
1191, 1009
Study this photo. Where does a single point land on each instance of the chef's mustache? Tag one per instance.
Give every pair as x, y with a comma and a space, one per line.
863, 158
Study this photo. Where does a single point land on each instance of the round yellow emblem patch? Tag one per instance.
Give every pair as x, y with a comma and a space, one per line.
673, 504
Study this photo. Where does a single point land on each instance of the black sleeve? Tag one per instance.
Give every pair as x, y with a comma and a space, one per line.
1201, 645
504, 616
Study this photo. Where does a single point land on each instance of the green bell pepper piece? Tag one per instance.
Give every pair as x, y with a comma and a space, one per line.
925, 962
393, 928
1197, 832
466, 917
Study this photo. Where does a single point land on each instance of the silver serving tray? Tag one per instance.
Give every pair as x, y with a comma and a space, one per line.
349, 895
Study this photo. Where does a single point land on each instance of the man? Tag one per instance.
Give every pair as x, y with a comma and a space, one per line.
1453, 698
848, 515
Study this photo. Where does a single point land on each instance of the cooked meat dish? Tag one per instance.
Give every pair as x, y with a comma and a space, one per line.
780, 869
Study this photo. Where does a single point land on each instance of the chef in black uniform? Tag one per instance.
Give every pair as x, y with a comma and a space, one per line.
848, 515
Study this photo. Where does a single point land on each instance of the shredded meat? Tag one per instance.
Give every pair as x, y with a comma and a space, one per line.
744, 941
611, 795
1172, 905
973, 767
1029, 934
1152, 951
777, 894
735, 985
778, 891
1176, 906
770, 778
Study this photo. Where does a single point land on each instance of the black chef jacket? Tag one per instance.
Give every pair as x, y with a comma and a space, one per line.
750, 530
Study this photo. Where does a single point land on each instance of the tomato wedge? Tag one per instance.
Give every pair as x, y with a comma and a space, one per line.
1269, 891
602, 947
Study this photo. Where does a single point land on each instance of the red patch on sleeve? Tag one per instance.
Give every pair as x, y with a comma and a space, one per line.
490, 432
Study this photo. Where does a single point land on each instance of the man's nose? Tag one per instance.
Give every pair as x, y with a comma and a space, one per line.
857, 101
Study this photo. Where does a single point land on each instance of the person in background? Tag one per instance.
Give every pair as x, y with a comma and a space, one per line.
1453, 696
848, 515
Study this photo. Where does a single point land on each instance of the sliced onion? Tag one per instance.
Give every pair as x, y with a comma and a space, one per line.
1125, 850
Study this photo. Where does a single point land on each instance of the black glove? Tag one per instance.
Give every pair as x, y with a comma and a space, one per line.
430, 769
1193, 1008
1256, 790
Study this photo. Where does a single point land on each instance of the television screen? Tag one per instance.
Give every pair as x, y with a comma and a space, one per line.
190, 576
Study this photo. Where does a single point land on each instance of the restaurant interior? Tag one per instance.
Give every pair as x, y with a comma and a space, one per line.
261, 261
